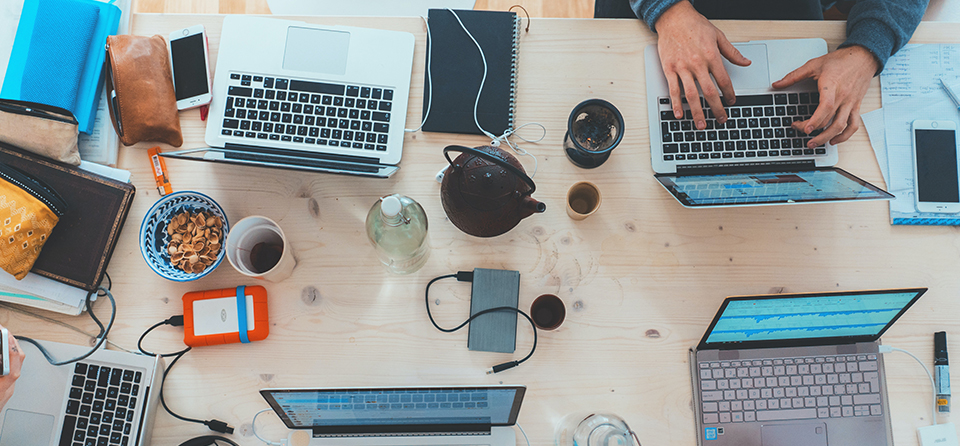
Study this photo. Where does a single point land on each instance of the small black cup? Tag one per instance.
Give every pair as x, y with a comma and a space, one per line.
547, 312
594, 129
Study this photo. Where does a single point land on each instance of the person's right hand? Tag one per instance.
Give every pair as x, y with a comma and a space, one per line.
690, 50
16, 362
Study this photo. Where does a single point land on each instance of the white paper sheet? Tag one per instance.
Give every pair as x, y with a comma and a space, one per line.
873, 122
910, 90
9, 20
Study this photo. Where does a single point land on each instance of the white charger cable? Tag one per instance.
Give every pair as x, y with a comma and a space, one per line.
888, 349
495, 141
524, 433
254, 428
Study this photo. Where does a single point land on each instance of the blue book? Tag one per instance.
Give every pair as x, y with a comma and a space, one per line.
58, 54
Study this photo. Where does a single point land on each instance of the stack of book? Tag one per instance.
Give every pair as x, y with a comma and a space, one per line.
74, 260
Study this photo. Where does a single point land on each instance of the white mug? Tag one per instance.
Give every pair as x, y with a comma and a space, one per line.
257, 248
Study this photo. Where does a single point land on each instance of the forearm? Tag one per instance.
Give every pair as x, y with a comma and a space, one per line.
883, 26
650, 10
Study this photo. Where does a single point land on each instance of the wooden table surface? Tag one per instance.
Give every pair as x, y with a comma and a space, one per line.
641, 279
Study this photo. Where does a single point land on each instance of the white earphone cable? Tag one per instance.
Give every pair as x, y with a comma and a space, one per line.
495, 140
429, 83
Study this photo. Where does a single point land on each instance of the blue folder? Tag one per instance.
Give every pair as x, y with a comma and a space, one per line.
58, 54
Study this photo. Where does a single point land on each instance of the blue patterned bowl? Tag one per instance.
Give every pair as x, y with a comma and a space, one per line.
154, 238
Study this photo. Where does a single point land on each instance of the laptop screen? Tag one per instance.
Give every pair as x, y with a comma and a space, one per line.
395, 409
719, 189
807, 319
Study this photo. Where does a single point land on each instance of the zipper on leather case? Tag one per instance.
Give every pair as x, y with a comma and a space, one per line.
112, 94
34, 187
37, 110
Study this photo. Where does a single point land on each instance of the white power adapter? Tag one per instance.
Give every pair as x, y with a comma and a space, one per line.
938, 435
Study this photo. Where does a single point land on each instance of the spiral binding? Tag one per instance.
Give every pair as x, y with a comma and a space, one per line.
513, 73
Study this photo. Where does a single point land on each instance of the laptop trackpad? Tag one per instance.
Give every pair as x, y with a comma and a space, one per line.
26, 429
316, 50
807, 434
754, 77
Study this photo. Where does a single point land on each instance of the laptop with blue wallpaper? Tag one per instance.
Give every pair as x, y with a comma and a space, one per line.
401, 415
796, 369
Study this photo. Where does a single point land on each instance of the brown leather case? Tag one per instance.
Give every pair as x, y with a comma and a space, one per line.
78, 251
145, 107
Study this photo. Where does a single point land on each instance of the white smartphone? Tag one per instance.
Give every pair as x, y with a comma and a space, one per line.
5, 346
190, 61
936, 166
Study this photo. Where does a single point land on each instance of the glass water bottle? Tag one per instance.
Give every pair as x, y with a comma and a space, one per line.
397, 229
594, 429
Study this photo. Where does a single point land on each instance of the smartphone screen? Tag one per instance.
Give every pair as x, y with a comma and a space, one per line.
937, 180
189, 68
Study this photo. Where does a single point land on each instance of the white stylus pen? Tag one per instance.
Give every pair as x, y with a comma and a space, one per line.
951, 93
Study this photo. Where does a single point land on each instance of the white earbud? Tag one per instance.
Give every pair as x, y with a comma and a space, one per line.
439, 176
299, 437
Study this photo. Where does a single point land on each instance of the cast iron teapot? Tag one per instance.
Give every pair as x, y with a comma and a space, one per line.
485, 191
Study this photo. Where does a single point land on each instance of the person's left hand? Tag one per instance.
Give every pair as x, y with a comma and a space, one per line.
843, 78
16, 361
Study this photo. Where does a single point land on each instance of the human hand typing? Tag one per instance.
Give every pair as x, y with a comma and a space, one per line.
843, 78
16, 361
691, 49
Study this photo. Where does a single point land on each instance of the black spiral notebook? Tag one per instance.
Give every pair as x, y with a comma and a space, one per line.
456, 70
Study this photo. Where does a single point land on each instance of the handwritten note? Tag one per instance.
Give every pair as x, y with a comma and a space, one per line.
910, 90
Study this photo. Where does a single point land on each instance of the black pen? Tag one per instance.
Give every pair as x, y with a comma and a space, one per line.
116, 112
941, 371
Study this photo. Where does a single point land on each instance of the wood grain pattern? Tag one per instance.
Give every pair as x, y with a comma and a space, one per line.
641, 278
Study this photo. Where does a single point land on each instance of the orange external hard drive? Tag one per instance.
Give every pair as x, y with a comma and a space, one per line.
225, 316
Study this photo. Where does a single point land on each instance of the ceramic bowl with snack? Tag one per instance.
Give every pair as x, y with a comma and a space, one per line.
182, 236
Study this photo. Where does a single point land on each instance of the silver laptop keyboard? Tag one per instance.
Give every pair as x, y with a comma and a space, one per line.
101, 406
788, 389
758, 127
307, 112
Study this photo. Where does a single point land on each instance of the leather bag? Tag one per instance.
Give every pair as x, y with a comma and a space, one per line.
143, 105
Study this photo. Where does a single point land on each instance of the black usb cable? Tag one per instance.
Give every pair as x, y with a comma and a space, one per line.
177, 321
467, 276
101, 336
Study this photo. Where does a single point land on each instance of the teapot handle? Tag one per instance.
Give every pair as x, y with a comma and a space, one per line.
523, 176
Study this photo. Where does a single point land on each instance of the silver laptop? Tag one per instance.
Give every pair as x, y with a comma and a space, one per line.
796, 369
401, 415
294, 95
757, 137
107, 398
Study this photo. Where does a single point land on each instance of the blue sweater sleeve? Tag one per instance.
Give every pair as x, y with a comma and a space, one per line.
883, 26
649, 10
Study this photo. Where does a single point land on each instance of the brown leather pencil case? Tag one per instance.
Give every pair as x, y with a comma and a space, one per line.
143, 105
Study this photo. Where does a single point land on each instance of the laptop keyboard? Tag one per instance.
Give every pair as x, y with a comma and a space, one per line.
101, 407
263, 108
788, 389
405, 400
758, 127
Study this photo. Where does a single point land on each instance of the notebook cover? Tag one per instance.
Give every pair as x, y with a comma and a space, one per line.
23, 56
81, 244
456, 70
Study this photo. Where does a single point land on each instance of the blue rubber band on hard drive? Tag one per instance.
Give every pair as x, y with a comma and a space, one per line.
242, 314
